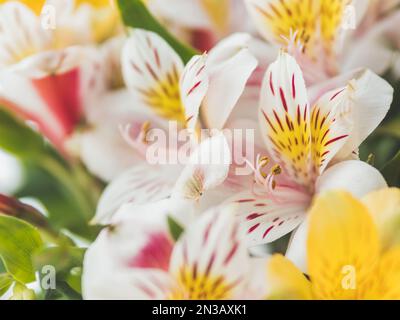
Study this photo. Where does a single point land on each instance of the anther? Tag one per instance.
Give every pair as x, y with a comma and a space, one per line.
276, 170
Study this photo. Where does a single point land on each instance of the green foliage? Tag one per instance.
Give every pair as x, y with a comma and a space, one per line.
18, 242
5, 282
175, 228
18, 139
135, 14
67, 261
391, 171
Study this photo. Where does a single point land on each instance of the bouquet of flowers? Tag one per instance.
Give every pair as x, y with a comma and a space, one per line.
199, 149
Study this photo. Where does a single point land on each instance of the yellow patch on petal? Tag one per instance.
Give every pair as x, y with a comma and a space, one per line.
164, 97
218, 11
285, 281
289, 16
343, 246
314, 21
34, 5
291, 139
96, 3
195, 286
384, 206
331, 18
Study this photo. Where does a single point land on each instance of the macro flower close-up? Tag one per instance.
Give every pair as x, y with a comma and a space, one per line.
199, 150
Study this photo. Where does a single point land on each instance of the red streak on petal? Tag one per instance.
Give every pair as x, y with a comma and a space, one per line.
267, 231
193, 88
336, 139
336, 94
271, 85
283, 99
251, 229
231, 253
293, 87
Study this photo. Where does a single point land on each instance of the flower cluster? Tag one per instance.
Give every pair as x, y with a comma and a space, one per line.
200, 149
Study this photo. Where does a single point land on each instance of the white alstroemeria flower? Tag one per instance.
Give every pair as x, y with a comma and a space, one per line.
308, 147
161, 89
207, 167
322, 35
54, 82
137, 259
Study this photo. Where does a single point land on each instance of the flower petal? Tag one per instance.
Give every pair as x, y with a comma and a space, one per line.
133, 253
274, 19
21, 34
152, 70
229, 65
354, 176
193, 86
384, 205
284, 117
264, 220
285, 281
343, 246
210, 261
208, 167
140, 184
331, 124
370, 98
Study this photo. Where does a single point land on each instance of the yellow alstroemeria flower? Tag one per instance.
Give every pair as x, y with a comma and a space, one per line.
352, 251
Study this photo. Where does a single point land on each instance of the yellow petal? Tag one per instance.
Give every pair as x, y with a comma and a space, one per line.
95, 3
343, 246
285, 281
35, 5
384, 205
384, 282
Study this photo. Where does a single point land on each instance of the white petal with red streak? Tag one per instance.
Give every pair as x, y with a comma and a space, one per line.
140, 184
193, 86
213, 246
264, 220
147, 59
130, 259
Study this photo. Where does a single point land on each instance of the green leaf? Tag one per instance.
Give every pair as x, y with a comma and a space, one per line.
74, 279
18, 241
175, 228
135, 14
62, 258
5, 282
391, 171
18, 139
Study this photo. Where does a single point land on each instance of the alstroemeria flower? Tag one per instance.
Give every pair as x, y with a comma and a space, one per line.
137, 258
161, 89
54, 82
308, 147
322, 35
348, 254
